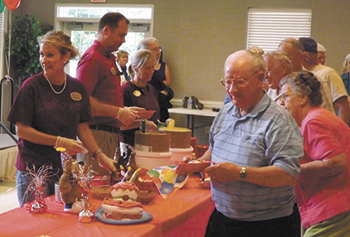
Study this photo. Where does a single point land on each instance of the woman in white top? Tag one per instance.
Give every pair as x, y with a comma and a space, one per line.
122, 60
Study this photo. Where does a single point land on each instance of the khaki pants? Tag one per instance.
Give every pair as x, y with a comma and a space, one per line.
336, 226
108, 142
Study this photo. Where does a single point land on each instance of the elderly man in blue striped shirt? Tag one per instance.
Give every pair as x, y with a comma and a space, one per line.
255, 149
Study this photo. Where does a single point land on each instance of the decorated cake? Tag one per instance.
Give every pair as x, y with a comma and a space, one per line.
152, 141
123, 204
148, 190
179, 137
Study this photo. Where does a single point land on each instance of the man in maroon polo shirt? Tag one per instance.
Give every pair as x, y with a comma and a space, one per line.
97, 70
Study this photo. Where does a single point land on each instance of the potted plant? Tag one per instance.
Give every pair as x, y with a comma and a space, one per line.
24, 46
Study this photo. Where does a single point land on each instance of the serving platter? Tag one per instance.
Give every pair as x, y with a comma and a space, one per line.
101, 217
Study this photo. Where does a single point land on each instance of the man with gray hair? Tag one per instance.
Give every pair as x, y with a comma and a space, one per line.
255, 148
294, 49
278, 66
329, 79
321, 54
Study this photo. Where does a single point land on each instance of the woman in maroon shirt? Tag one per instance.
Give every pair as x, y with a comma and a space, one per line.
50, 110
138, 92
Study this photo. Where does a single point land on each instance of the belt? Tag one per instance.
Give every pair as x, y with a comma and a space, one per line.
105, 128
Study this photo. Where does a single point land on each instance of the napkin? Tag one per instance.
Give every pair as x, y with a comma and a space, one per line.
166, 179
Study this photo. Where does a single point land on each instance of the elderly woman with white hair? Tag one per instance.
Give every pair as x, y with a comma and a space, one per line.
161, 77
323, 188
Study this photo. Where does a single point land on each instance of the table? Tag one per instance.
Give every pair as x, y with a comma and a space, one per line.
184, 212
8, 159
191, 113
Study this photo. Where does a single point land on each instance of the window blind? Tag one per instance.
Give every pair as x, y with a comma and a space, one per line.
268, 27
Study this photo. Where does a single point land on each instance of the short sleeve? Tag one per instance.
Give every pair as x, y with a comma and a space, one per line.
22, 109
319, 142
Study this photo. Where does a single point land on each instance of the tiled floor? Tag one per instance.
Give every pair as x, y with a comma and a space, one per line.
8, 195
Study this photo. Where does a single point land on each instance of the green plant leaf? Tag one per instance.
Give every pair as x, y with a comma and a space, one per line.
24, 47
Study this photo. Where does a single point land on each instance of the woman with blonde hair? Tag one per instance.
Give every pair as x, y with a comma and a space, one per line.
122, 60
50, 110
138, 92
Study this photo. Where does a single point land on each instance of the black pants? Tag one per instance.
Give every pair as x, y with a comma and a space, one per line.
220, 225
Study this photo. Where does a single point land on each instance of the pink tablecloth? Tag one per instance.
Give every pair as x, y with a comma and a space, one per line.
186, 213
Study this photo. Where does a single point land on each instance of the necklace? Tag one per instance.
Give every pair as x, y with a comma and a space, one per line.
64, 87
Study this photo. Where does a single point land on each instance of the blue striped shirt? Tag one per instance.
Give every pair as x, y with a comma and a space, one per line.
266, 136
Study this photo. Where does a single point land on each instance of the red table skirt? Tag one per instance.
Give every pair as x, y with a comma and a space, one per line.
186, 212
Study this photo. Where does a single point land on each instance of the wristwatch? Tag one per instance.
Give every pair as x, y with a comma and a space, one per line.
96, 153
243, 173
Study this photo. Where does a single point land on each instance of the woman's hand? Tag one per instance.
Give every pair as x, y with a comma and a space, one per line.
72, 147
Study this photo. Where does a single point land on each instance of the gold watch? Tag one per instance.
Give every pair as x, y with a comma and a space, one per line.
243, 173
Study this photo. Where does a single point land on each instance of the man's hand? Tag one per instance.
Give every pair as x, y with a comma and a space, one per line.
223, 171
126, 115
106, 162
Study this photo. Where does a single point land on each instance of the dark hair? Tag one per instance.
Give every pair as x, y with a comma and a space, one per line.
304, 83
112, 20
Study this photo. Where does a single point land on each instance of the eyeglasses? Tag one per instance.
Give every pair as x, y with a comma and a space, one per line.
239, 81
156, 49
284, 96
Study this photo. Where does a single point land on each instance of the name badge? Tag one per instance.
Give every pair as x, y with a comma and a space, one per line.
76, 96
137, 93
113, 71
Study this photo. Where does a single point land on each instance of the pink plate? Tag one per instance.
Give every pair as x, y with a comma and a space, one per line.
146, 114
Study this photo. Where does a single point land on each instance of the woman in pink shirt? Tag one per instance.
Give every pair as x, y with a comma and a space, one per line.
323, 189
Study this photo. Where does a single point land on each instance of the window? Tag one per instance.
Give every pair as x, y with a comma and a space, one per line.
268, 27
80, 21
97, 11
